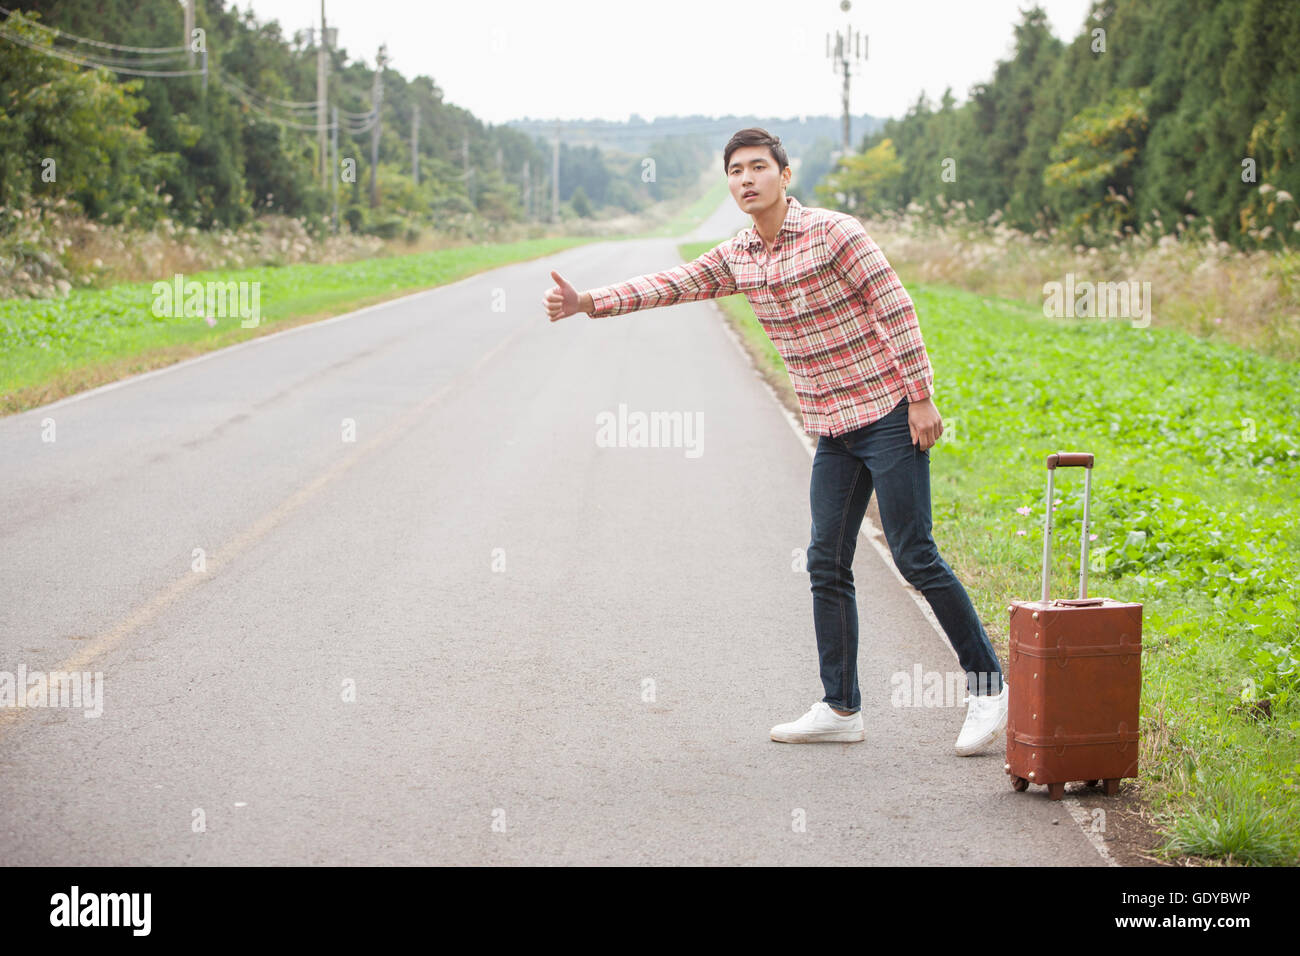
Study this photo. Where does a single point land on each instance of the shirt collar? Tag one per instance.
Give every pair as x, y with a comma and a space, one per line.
793, 223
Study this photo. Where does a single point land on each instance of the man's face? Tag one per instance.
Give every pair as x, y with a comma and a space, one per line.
752, 170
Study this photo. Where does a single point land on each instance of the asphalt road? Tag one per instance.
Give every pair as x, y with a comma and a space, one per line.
472, 634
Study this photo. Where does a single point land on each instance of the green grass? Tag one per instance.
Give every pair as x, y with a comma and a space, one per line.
1197, 517
53, 347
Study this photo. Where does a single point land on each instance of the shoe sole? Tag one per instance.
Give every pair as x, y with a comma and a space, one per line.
983, 741
827, 736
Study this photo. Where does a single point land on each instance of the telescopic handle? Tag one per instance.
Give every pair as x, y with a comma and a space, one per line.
1068, 459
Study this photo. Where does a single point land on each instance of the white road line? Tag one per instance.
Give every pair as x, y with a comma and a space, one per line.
269, 521
1085, 824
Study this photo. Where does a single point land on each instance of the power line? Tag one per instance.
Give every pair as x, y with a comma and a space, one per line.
353, 123
364, 128
109, 63
240, 90
239, 94
267, 98
263, 102
84, 60
99, 43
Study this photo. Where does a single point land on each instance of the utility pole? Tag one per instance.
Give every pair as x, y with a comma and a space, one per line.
322, 83
467, 170
377, 101
528, 192
415, 144
850, 49
188, 41
334, 168
555, 177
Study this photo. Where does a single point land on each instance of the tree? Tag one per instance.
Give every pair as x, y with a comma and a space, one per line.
863, 182
581, 204
65, 133
1092, 164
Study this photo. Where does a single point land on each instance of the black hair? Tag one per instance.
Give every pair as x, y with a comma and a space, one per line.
755, 136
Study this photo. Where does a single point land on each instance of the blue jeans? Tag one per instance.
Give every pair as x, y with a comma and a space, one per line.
845, 470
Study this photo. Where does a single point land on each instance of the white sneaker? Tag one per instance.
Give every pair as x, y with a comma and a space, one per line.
821, 723
985, 717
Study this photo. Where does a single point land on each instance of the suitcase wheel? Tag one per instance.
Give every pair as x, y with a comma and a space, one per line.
1019, 784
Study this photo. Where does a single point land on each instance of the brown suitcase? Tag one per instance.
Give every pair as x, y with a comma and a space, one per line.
1074, 676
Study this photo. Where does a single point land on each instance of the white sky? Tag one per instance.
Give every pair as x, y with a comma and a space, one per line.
587, 59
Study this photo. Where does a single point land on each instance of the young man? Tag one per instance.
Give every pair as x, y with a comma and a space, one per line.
835, 310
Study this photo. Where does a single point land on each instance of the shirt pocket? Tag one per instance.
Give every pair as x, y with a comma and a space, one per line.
799, 289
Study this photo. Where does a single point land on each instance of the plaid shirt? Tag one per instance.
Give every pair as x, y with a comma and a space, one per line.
826, 297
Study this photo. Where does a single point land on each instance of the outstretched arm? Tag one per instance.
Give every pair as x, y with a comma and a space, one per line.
707, 277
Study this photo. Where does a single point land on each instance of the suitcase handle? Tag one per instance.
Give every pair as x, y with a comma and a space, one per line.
1068, 459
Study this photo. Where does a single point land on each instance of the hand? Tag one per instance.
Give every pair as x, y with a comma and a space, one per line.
562, 300
924, 423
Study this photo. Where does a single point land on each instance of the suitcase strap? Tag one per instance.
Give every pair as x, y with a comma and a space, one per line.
1067, 651
1060, 741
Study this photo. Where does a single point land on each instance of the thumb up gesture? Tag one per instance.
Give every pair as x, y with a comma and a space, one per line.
562, 300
